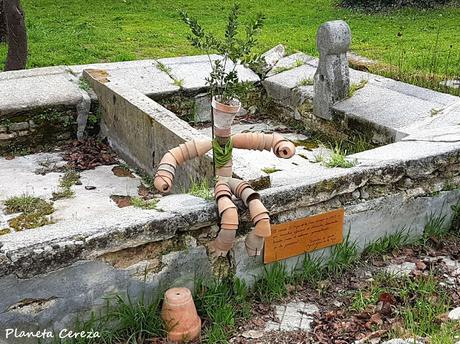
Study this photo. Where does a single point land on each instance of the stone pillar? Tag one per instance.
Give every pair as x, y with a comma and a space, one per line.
332, 76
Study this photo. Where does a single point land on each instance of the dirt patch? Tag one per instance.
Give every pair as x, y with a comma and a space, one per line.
121, 201
121, 171
88, 154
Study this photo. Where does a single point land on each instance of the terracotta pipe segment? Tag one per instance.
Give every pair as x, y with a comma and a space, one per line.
223, 132
284, 149
168, 168
256, 208
263, 228
254, 244
224, 242
169, 159
225, 171
177, 154
180, 316
192, 151
162, 184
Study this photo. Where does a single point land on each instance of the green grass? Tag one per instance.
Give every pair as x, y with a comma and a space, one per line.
78, 32
201, 188
436, 227
139, 202
356, 87
270, 170
338, 158
69, 179
306, 82
34, 212
343, 256
221, 302
273, 284
388, 243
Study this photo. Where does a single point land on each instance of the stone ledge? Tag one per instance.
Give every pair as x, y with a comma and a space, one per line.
51, 247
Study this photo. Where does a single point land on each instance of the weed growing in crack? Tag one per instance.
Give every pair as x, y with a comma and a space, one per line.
139, 202
356, 87
69, 179
270, 170
338, 158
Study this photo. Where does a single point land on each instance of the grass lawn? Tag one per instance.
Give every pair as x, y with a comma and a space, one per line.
78, 32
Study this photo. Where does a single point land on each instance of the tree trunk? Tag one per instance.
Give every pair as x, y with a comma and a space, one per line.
2, 24
16, 35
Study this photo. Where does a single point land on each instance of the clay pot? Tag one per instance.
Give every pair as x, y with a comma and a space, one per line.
239, 140
167, 168
242, 186
169, 159
224, 242
261, 216
224, 203
276, 139
223, 113
230, 217
219, 132
177, 154
164, 173
254, 244
247, 194
191, 148
225, 171
202, 146
162, 184
260, 141
284, 149
227, 226
184, 150
268, 139
180, 315
263, 228
256, 208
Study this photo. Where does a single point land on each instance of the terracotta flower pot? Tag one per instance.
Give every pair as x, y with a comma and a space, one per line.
240, 140
256, 208
185, 152
227, 226
260, 141
166, 174
202, 146
162, 184
224, 203
167, 168
268, 139
224, 242
261, 216
192, 151
177, 154
247, 194
263, 228
224, 113
284, 149
276, 139
180, 315
241, 187
254, 244
169, 159
226, 171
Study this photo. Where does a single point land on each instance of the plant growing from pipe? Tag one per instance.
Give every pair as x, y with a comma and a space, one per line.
235, 46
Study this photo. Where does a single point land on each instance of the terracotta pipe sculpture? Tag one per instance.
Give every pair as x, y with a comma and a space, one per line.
226, 187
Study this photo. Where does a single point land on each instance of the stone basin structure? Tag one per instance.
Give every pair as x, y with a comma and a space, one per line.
57, 272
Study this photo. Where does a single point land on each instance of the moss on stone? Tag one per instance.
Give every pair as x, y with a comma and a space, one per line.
34, 211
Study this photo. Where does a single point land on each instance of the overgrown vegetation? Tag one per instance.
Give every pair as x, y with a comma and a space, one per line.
388, 243
34, 212
338, 158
